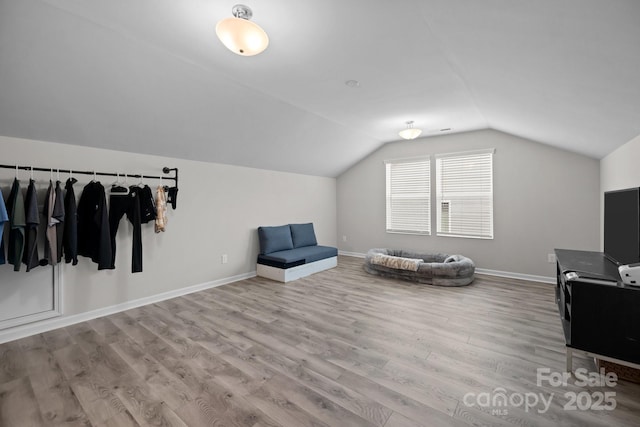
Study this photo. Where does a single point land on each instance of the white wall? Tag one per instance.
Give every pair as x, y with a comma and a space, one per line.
544, 198
619, 170
219, 209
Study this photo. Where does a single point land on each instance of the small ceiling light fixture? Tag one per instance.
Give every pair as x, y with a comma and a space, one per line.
410, 132
240, 35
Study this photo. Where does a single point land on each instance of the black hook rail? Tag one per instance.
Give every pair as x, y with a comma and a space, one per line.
81, 172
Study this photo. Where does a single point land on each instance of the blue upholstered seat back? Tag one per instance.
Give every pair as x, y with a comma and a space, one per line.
285, 237
274, 239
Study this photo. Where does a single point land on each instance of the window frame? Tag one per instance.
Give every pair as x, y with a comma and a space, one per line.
482, 197
425, 196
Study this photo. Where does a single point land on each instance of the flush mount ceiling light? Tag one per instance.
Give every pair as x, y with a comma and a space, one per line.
240, 35
410, 132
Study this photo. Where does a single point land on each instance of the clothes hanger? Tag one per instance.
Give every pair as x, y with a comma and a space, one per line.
71, 178
119, 188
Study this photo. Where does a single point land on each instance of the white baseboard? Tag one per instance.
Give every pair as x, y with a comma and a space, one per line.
511, 275
60, 322
353, 254
498, 273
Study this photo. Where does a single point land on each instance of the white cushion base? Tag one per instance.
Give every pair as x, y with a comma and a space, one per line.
285, 275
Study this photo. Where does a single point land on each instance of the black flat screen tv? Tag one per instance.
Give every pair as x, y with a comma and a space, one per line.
622, 226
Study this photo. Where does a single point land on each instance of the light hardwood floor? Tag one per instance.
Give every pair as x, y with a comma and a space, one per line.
339, 348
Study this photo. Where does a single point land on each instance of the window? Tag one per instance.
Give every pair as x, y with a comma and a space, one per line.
464, 194
409, 196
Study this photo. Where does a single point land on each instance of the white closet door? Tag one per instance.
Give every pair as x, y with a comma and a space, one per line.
27, 297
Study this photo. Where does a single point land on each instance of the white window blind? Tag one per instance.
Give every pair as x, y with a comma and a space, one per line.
464, 194
409, 196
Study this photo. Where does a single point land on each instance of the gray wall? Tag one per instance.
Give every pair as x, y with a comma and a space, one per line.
619, 170
544, 198
219, 210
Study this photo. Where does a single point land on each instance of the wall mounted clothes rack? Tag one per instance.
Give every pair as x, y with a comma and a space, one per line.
95, 173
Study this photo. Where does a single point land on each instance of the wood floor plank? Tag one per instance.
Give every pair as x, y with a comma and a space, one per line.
400, 403
12, 364
200, 413
343, 396
431, 396
123, 419
143, 405
338, 348
398, 420
279, 408
18, 404
319, 406
59, 338
91, 389
58, 403
215, 401
163, 382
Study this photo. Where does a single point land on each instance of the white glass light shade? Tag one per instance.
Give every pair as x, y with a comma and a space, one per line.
242, 36
410, 133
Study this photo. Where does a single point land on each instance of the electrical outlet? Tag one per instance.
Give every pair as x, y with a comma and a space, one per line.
551, 258
344, 238
224, 259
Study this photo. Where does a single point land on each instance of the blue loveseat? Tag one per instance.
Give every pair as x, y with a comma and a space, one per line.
289, 252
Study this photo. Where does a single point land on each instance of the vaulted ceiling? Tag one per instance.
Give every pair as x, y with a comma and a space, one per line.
150, 76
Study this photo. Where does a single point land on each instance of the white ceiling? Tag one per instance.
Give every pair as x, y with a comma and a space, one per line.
150, 76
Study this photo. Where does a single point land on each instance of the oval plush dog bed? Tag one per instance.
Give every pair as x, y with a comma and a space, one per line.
431, 268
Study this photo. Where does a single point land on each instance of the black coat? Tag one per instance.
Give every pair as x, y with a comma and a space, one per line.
70, 233
94, 239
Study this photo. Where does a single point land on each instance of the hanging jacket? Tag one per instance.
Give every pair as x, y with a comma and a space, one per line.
4, 217
70, 232
30, 256
147, 205
161, 210
60, 214
15, 207
53, 218
94, 239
